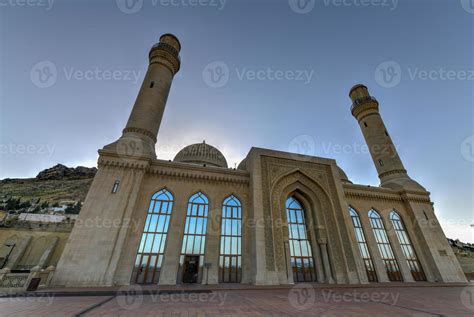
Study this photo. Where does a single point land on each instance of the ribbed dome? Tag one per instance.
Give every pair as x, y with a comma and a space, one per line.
201, 153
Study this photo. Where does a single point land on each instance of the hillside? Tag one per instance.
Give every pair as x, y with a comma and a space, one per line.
53, 185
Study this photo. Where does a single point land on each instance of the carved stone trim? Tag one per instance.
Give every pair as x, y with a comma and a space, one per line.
140, 131
397, 171
372, 193
198, 176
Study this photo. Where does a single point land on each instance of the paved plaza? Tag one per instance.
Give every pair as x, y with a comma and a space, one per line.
301, 300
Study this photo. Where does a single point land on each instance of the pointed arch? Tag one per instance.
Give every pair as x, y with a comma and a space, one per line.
320, 218
230, 258
150, 254
301, 254
384, 246
363, 247
407, 248
194, 238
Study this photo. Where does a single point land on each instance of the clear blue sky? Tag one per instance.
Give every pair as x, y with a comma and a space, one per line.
427, 103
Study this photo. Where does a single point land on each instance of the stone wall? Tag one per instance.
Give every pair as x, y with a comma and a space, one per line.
34, 244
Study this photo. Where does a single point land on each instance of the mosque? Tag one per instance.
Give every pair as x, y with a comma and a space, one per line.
279, 218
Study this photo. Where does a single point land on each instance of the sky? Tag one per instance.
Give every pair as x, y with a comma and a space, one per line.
274, 74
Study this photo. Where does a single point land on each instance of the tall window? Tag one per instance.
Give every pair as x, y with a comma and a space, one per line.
407, 248
389, 260
363, 248
194, 240
230, 266
302, 261
150, 253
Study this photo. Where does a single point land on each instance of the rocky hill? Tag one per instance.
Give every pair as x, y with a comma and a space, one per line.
55, 184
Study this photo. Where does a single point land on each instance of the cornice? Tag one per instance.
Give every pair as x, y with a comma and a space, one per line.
377, 193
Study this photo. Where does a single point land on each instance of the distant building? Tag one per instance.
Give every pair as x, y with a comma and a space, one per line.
280, 218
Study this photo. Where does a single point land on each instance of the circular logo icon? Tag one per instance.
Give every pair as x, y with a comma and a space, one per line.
130, 297
388, 74
129, 6
44, 74
130, 147
468, 5
303, 144
467, 297
302, 297
302, 6
216, 74
467, 148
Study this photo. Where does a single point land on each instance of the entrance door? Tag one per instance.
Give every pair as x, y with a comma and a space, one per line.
190, 268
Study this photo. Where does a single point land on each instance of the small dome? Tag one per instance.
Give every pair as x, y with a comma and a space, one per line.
201, 153
343, 175
243, 165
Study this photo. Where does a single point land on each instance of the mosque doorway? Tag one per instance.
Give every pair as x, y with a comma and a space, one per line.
190, 269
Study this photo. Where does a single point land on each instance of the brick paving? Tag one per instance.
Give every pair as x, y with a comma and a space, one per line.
301, 300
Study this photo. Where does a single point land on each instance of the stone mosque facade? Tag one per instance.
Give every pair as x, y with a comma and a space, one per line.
279, 218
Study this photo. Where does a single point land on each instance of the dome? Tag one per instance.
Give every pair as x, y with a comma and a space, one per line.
343, 175
201, 153
243, 165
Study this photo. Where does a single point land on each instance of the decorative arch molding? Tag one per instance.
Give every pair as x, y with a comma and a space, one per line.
319, 209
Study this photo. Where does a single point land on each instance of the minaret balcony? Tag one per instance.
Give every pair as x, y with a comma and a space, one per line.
363, 100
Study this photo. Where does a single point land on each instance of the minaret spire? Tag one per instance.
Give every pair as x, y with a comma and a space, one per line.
365, 109
139, 135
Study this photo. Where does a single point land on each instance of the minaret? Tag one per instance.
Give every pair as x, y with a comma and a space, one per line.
392, 173
139, 135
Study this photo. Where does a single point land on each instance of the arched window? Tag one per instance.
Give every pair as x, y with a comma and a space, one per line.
150, 252
301, 255
194, 240
407, 248
363, 248
389, 260
230, 266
